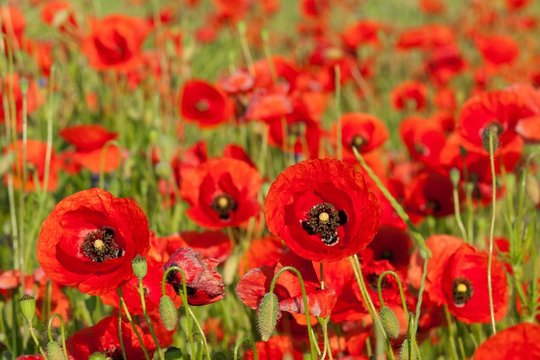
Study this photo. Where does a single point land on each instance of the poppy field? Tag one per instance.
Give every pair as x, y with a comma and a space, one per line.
271, 179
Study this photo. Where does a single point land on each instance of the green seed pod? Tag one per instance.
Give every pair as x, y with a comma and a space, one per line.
404, 351
54, 351
267, 315
28, 307
139, 266
97, 356
492, 131
389, 322
168, 313
454, 176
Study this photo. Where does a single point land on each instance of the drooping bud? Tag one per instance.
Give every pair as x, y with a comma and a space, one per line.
28, 307
389, 322
54, 351
139, 266
168, 313
267, 315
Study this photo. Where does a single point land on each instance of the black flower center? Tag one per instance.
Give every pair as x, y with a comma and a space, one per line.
100, 246
223, 205
433, 206
324, 220
462, 291
387, 254
357, 142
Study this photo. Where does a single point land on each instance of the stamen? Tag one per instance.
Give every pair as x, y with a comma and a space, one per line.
100, 246
324, 220
223, 205
462, 291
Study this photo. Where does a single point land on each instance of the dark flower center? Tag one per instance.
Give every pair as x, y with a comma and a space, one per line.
387, 255
494, 127
223, 205
433, 206
462, 291
324, 220
373, 282
176, 282
357, 142
100, 246
202, 105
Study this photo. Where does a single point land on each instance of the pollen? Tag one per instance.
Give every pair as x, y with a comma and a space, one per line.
224, 206
222, 202
99, 244
461, 288
324, 217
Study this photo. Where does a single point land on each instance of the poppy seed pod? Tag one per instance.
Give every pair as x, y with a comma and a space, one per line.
139, 266
28, 307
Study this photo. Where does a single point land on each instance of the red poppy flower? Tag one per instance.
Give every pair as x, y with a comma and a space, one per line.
35, 166
10, 87
92, 148
521, 341
429, 194
221, 192
445, 63
364, 32
424, 139
498, 49
60, 14
115, 43
204, 104
361, 131
322, 209
513, 5
89, 240
103, 337
426, 37
256, 283
234, 151
12, 25
501, 109
410, 95
238, 82
457, 277
391, 244
204, 284
389, 287
432, 6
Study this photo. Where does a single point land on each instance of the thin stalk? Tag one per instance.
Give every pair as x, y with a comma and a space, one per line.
492, 135
133, 326
147, 319
250, 342
120, 338
36, 341
62, 332
314, 348
400, 286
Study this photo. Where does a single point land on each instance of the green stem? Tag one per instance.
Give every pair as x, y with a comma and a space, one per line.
400, 286
133, 326
62, 332
314, 348
357, 269
120, 338
250, 342
492, 135
36, 341
147, 318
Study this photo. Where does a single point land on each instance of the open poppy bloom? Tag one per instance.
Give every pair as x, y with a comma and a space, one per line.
430, 193
89, 240
92, 148
204, 284
457, 278
221, 192
322, 209
115, 43
103, 337
204, 104
424, 139
410, 95
256, 283
35, 152
361, 131
520, 341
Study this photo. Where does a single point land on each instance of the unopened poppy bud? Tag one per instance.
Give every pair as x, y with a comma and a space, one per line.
267, 315
163, 170
454, 176
389, 322
404, 351
139, 266
490, 134
28, 307
97, 356
168, 313
54, 351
